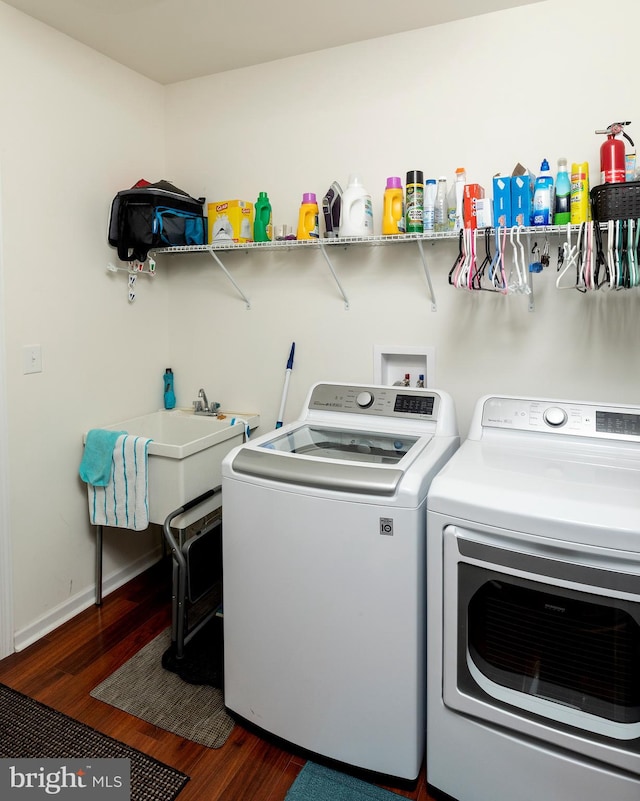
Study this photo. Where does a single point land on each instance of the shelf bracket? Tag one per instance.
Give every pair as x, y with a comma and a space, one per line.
216, 258
423, 257
335, 277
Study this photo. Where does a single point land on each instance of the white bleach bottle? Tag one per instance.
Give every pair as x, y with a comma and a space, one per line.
356, 211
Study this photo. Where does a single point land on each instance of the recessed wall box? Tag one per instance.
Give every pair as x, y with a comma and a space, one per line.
391, 363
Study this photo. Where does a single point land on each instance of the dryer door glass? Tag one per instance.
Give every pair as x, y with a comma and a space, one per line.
572, 648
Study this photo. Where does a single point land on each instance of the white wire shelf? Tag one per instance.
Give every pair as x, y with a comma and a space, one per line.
284, 244
325, 244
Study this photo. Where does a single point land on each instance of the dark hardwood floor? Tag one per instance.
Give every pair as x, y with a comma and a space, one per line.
62, 668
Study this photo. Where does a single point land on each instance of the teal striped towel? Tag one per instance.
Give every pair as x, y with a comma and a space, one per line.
95, 467
124, 502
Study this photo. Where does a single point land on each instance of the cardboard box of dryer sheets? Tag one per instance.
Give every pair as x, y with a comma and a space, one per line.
231, 220
522, 184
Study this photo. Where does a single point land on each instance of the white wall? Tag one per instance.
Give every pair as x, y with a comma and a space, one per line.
485, 93
75, 128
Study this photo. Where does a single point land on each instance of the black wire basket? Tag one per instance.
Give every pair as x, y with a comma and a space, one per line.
616, 201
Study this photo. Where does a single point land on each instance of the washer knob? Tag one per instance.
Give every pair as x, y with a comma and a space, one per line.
555, 416
364, 400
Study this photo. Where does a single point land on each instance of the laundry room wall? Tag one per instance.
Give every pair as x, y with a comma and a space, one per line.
75, 128
484, 93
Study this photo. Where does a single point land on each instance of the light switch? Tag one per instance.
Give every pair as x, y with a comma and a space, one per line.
32, 359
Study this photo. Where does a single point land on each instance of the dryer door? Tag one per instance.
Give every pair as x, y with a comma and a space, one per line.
543, 637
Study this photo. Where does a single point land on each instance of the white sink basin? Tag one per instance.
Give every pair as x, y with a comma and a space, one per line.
185, 457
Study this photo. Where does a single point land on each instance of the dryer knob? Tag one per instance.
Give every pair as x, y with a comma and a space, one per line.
364, 400
555, 416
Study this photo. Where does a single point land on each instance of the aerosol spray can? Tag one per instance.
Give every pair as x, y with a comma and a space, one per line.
414, 202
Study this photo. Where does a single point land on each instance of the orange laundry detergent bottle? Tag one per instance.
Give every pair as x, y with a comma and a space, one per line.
308, 227
393, 208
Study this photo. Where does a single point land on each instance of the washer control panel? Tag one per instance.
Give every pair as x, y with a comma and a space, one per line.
579, 419
400, 402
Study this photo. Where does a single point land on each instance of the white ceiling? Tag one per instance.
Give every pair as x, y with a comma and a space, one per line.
174, 40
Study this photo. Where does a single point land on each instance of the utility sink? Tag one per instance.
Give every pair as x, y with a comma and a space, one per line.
185, 456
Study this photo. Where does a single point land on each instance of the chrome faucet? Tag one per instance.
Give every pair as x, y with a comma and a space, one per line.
202, 405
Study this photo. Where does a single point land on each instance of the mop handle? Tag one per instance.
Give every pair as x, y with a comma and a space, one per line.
285, 389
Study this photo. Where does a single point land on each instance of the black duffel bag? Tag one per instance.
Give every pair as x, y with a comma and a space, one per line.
155, 216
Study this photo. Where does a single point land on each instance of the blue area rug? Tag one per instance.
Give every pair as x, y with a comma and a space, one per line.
315, 783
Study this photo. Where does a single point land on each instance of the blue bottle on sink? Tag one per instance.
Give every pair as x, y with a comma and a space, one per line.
169, 394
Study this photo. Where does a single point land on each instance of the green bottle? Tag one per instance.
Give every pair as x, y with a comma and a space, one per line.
562, 210
262, 227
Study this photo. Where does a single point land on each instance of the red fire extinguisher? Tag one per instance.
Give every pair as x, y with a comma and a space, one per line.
612, 154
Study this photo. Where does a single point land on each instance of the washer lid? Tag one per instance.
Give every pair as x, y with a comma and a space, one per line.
331, 458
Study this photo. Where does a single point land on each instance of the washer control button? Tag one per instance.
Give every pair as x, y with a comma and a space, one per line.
555, 416
364, 400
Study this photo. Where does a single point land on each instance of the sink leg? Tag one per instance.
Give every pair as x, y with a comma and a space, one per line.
98, 565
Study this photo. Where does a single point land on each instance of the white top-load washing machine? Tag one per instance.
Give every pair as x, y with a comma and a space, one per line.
324, 573
533, 569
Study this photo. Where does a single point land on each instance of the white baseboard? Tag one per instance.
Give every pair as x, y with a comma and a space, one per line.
83, 600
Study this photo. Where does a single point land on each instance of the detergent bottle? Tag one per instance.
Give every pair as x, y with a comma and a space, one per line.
262, 225
562, 206
356, 213
430, 190
542, 196
440, 216
393, 208
308, 227
612, 154
461, 179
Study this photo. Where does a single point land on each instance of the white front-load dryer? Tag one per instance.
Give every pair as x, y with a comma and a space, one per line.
533, 570
324, 573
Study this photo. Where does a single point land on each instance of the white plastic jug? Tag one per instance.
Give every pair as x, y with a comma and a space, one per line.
356, 213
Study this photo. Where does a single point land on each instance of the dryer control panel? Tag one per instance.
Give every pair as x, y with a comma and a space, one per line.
399, 402
566, 417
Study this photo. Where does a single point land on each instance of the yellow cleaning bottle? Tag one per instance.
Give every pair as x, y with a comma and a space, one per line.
580, 206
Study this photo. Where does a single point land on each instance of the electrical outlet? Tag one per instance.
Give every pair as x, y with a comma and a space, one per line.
31, 359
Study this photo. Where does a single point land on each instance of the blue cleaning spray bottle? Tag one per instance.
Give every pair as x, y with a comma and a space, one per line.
169, 394
543, 196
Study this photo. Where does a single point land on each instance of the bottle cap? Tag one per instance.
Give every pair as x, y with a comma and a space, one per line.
415, 177
354, 180
394, 183
309, 197
431, 180
544, 166
460, 171
263, 196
